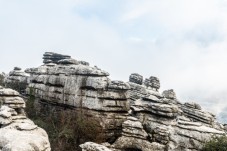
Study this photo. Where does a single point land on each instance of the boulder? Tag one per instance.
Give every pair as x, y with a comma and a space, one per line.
17, 132
51, 57
90, 146
152, 83
136, 78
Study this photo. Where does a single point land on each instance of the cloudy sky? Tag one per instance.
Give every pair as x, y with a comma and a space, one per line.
183, 42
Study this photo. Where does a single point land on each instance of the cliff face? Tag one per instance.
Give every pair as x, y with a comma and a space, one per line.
17, 132
75, 85
134, 115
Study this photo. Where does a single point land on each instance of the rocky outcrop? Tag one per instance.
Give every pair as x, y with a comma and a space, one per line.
134, 115
17, 132
135, 137
79, 86
17, 80
136, 78
168, 122
152, 83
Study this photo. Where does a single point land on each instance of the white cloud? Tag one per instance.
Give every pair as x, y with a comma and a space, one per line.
184, 43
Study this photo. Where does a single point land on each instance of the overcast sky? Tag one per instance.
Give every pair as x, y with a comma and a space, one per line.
183, 42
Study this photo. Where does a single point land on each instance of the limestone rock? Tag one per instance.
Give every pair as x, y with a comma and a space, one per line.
79, 86
134, 137
90, 146
193, 111
17, 132
169, 94
134, 115
84, 63
51, 57
68, 61
152, 83
11, 98
17, 68
136, 78
21, 134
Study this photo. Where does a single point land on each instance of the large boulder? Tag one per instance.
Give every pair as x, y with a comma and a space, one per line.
17, 132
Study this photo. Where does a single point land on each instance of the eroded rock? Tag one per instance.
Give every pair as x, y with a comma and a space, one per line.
17, 132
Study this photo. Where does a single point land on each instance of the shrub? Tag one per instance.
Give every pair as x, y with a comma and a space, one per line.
216, 144
17, 85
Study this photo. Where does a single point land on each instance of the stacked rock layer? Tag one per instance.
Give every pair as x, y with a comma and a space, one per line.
135, 115
79, 86
17, 132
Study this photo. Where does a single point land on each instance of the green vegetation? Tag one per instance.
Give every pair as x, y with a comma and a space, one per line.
18, 86
67, 129
216, 144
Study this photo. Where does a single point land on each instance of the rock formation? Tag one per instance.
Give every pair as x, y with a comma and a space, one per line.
17, 132
134, 115
2, 77
79, 86
17, 80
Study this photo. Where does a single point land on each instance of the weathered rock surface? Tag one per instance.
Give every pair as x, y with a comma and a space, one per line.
51, 57
136, 78
135, 137
90, 146
17, 132
152, 83
81, 86
17, 79
134, 115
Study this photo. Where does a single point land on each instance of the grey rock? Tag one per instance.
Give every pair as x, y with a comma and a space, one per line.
169, 94
68, 61
17, 132
17, 68
135, 137
152, 83
90, 146
134, 115
84, 63
78, 86
51, 57
136, 78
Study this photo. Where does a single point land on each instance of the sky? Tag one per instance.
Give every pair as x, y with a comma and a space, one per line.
182, 42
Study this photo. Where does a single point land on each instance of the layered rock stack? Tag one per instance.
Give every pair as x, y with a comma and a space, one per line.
17, 80
76, 85
51, 57
134, 115
136, 78
135, 137
152, 83
17, 132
